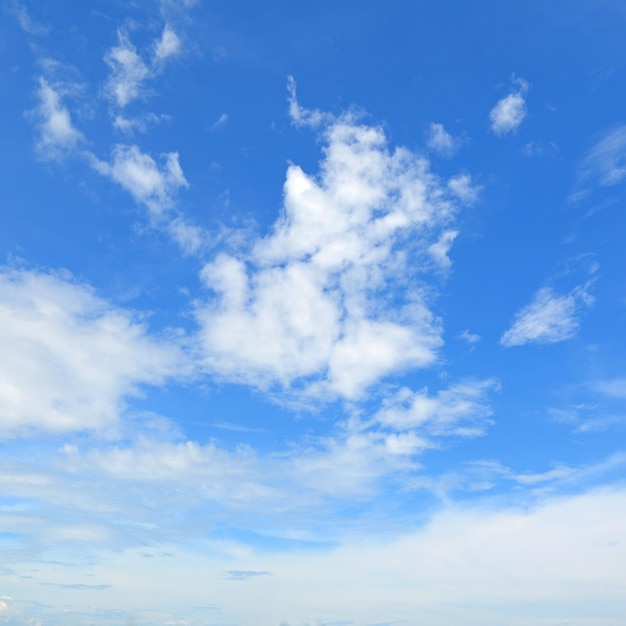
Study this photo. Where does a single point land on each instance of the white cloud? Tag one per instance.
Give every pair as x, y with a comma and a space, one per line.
128, 72
300, 115
510, 111
69, 358
57, 133
549, 318
606, 161
140, 123
143, 178
439, 250
307, 303
462, 187
469, 337
462, 410
442, 142
168, 46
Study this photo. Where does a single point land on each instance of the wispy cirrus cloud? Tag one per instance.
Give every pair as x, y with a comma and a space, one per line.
549, 318
605, 163
509, 112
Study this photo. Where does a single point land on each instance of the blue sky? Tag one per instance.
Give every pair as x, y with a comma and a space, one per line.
311, 315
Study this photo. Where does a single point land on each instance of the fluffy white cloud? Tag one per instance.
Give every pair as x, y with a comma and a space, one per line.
141, 176
549, 318
57, 134
69, 358
442, 142
128, 72
308, 302
510, 111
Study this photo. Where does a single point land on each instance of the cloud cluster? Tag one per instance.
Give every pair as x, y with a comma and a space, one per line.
333, 296
82, 355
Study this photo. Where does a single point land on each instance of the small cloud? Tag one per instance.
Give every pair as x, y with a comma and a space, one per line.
471, 338
299, 115
128, 72
25, 21
461, 186
57, 133
142, 177
238, 574
539, 149
510, 111
168, 46
549, 318
221, 121
439, 250
615, 387
442, 142
605, 163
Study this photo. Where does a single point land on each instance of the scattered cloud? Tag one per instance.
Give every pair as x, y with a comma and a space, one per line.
82, 355
57, 134
510, 111
140, 123
549, 318
441, 142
